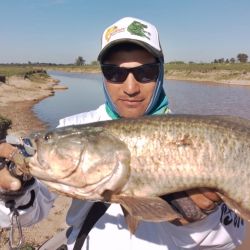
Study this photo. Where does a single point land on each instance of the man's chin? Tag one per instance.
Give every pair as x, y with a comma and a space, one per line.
131, 113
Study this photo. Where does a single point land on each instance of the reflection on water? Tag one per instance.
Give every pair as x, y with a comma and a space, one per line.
209, 98
85, 93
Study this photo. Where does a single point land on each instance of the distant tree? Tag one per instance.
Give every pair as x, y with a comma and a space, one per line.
176, 62
79, 61
221, 60
215, 61
94, 63
227, 60
242, 57
191, 62
232, 60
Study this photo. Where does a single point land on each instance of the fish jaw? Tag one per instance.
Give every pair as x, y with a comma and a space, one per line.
93, 160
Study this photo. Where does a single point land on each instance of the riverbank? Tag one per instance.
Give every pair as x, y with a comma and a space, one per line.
237, 74
17, 97
219, 73
219, 77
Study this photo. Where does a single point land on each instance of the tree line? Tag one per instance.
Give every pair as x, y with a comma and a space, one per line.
80, 61
241, 57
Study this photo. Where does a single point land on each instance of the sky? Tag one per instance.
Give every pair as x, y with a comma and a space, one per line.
58, 31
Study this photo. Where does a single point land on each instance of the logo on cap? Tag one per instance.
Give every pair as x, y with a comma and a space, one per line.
138, 29
112, 31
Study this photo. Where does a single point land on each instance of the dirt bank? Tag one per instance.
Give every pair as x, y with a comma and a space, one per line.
17, 98
218, 76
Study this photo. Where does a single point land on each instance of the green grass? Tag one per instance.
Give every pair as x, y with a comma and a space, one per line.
200, 67
74, 68
23, 71
8, 70
206, 67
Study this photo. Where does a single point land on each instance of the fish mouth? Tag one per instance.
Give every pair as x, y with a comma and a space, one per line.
37, 168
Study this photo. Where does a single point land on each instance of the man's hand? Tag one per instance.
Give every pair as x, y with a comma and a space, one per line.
194, 205
8, 183
204, 198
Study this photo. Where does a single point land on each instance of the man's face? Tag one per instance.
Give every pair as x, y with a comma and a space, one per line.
130, 97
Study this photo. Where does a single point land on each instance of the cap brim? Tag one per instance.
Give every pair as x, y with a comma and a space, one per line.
150, 49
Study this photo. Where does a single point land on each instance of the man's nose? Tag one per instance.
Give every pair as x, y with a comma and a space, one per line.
131, 86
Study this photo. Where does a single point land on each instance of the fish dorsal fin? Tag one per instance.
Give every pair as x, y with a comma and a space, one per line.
152, 209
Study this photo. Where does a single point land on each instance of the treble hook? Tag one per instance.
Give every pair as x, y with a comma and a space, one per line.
14, 219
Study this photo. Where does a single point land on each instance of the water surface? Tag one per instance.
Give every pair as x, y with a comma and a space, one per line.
85, 92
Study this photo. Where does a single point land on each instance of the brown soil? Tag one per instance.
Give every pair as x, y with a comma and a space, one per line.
16, 101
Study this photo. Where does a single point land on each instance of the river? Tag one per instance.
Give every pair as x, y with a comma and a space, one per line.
85, 93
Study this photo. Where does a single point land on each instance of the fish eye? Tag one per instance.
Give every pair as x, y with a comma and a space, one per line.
48, 136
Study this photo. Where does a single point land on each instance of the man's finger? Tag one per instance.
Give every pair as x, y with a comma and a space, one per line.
13, 154
7, 182
7, 150
201, 200
180, 222
186, 206
211, 195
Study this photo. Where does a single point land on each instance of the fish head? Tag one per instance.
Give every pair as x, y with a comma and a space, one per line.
89, 158
56, 155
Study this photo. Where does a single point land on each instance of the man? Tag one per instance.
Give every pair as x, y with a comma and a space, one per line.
132, 60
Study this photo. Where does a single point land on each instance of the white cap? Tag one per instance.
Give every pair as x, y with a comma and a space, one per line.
129, 29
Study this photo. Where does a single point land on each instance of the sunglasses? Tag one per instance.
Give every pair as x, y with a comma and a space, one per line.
143, 74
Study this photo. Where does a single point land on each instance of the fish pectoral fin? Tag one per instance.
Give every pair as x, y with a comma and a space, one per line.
131, 221
152, 209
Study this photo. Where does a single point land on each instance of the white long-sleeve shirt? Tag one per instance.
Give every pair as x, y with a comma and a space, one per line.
222, 229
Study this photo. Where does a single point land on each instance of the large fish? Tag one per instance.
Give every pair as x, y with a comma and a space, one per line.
134, 161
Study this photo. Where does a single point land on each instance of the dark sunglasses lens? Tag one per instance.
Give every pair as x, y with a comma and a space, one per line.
144, 74
114, 73
147, 73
